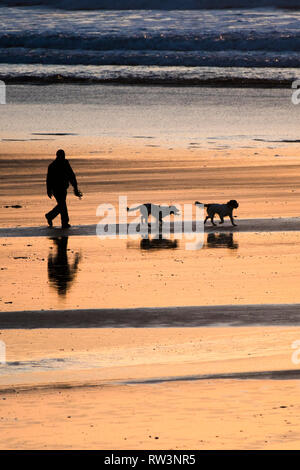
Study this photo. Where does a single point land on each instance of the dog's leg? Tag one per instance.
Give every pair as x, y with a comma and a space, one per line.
206, 218
160, 219
222, 220
144, 219
232, 221
212, 220
147, 221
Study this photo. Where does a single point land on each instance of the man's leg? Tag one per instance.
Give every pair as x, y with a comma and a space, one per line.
61, 198
64, 211
61, 208
53, 213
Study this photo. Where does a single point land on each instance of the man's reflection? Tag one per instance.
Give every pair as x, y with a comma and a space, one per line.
221, 240
61, 273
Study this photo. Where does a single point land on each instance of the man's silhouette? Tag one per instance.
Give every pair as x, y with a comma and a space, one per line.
60, 174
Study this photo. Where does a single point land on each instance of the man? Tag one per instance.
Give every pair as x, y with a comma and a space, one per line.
60, 174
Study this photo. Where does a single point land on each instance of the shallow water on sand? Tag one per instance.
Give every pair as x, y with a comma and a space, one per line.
65, 358
204, 117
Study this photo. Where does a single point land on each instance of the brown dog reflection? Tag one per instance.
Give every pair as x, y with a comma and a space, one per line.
221, 240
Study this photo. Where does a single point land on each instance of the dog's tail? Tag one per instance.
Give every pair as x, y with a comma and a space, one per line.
133, 208
197, 202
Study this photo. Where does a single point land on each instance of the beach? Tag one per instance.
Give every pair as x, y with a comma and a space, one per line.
222, 145
117, 336
157, 341
170, 388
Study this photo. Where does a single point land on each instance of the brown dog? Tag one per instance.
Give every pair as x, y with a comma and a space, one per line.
223, 210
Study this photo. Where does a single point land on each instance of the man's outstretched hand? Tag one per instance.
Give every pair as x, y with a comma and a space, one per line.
77, 193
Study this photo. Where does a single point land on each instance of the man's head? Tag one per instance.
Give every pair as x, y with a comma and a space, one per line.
60, 154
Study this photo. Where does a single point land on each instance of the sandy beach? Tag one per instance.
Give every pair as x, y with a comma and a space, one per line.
134, 344
215, 325
117, 334
174, 388
254, 415
264, 180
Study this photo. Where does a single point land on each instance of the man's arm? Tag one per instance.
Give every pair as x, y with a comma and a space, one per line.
73, 180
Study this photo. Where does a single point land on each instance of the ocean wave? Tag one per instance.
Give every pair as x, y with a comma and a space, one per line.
182, 42
149, 75
224, 38
150, 58
153, 4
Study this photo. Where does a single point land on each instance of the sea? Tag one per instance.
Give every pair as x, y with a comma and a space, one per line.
165, 42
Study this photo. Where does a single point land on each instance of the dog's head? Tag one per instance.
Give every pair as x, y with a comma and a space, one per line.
174, 210
233, 204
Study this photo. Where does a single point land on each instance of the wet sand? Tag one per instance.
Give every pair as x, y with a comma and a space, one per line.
265, 181
227, 415
113, 344
168, 317
191, 388
86, 273
291, 224
102, 379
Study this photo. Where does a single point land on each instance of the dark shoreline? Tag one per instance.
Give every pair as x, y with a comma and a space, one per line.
290, 224
156, 317
281, 374
203, 83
